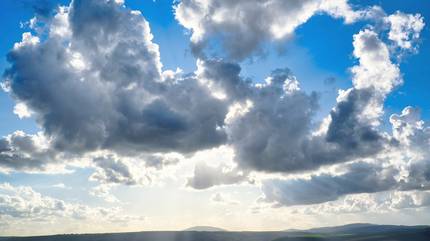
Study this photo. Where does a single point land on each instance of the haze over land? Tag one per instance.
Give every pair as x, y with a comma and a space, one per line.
137, 115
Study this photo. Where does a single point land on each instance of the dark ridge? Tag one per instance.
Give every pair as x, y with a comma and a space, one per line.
350, 232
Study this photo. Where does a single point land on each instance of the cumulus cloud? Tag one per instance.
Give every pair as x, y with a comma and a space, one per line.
111, 170
22, 111
128, 105
20, 151
206, 176
405, 29
131, 107
242, 26
360, 178
369, 203
99, 85
400, 167
100, 55
375, 69
22, 202
104, 191
25, 205
353, 127
268, 134
158, 161
270, 125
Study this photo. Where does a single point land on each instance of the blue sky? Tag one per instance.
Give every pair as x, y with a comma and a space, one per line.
137, 179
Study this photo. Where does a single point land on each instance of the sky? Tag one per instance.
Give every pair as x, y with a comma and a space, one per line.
142, 115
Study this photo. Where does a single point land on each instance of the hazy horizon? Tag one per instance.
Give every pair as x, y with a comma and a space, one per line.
246, 115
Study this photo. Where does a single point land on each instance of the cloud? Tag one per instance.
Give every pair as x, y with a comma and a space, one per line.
206, 176
219, 198
159, 161
405, 29
268, 135
243, 26
413, 136
400, 167
375, 69
104, 191
93, 80
129, 105
352, 135
360, 177
23, 203
270, 125
132, 108
374, 203
353, 127
60, 185
111, 170
22, 111
19, 151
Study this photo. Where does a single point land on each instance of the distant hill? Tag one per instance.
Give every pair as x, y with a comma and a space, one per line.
205, 229
422, 234
363, 228
350, 232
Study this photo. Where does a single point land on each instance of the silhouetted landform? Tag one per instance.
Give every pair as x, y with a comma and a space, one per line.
364, 228
352, 232
205, 229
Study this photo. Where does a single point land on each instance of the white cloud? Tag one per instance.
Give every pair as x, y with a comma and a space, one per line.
27, 40
378, 203
60, 185
375, 69
104, 191
405, 29
22, 111
219, 198
22, 207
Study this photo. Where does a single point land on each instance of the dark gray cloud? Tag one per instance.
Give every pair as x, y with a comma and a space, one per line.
112, 170
270, 135
275, 133
100, 86
360, 178
23, 152
399, 168
346, 129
